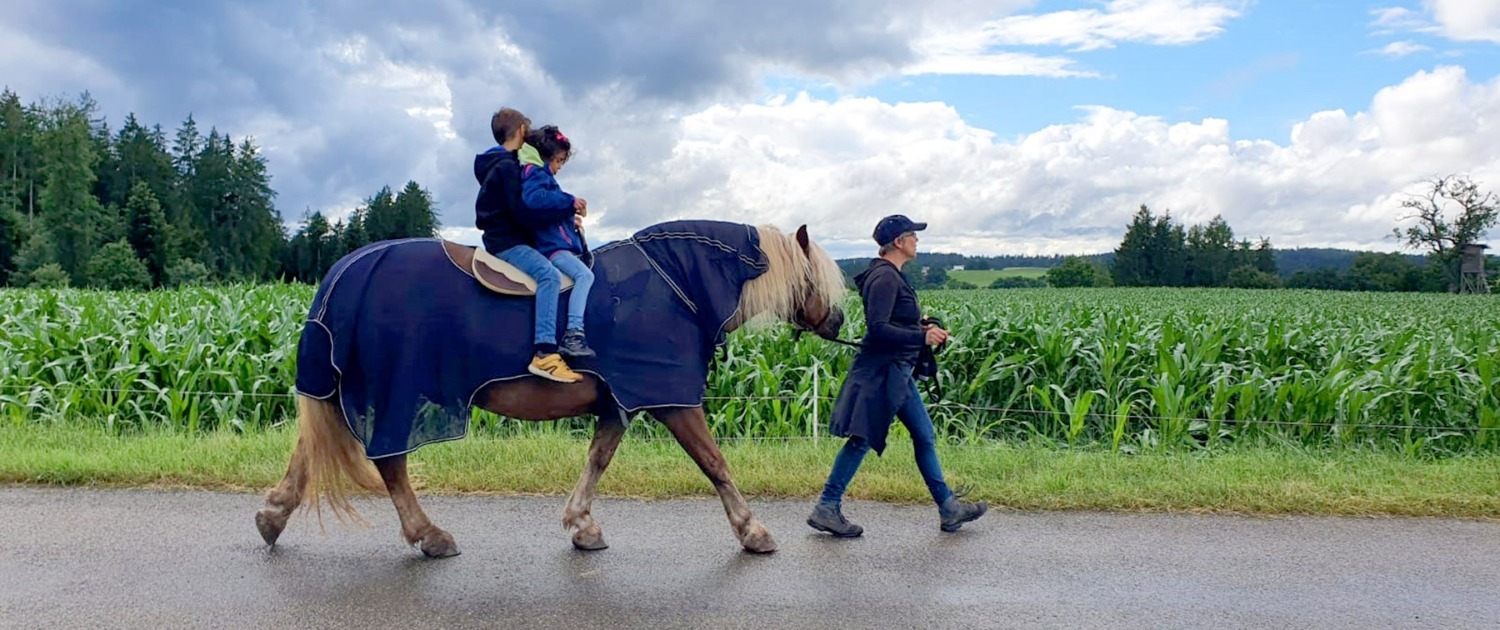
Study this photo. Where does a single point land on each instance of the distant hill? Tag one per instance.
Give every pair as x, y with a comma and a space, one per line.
1288, 261
949, 261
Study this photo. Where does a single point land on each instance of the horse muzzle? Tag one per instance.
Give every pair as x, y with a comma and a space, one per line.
831, 325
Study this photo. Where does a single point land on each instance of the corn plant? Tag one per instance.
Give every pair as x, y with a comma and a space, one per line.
1120, 368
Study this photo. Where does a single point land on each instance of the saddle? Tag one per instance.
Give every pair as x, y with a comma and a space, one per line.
495, 274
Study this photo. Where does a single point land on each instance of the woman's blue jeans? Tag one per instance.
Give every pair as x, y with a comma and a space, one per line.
914, 415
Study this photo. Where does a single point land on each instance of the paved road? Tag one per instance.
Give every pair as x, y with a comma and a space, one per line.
151, 559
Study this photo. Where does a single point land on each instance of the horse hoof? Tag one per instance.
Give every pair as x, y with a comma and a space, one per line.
589, 539
759, 540
438, 544
270, 524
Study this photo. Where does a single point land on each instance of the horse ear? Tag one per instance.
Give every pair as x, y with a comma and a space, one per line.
802, 239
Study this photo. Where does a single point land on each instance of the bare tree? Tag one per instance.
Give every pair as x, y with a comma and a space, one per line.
1435, 232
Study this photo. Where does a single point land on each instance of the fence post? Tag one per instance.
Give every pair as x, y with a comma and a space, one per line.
817, 403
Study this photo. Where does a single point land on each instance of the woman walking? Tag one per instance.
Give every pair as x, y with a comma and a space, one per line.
881, 385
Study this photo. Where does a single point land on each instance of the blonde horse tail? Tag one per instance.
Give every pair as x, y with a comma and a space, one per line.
335, 460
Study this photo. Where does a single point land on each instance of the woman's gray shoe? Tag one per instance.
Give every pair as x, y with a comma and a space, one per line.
955, 513
827, 517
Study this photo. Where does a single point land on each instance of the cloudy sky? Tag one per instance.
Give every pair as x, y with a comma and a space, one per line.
1013, 126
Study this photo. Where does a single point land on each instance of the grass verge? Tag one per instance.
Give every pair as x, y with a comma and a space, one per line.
1269, 480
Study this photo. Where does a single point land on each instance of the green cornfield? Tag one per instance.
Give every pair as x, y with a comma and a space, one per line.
1123, 369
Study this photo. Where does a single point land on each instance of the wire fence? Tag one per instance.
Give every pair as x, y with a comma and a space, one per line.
815, 416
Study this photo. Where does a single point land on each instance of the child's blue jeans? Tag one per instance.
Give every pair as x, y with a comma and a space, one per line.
583, 280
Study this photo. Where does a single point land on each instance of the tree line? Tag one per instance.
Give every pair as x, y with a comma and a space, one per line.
1452, 213
1157, 251
82, 204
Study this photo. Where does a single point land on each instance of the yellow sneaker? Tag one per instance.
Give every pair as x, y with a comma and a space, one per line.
553, 368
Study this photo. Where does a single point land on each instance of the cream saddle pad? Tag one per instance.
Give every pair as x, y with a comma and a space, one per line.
502, 277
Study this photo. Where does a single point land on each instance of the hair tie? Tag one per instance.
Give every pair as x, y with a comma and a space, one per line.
561, 137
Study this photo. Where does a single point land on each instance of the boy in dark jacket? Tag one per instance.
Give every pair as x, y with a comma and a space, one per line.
880, 385
499, 213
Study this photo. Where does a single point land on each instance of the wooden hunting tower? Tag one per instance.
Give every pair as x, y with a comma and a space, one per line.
1471, 269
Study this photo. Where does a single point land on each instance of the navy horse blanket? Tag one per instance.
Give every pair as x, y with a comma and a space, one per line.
403, 340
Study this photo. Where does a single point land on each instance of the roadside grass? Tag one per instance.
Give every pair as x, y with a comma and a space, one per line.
1262, 480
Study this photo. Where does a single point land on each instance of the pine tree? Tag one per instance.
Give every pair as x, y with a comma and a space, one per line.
146, 231
20, 127
107, 160
315, 244
1210, 254
186, 147
354, 235
37, 252
415, 215
142, 157
260, 235
188, 238
1265, 257
69, 208
381, 220
1167, 253
12, 236
1132, 257
211, 186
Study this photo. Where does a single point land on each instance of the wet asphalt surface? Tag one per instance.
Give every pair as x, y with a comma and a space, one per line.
73, 558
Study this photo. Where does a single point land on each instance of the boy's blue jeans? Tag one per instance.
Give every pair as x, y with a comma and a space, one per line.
914, 415
583, 280
548, 286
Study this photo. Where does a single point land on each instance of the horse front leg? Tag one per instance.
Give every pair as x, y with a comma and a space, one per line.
690, 427
577, 515
415, 527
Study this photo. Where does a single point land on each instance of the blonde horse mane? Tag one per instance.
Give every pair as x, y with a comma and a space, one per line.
777, 293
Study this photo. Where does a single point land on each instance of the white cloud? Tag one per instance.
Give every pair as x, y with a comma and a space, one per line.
1389, 20
1401, 49
971, 43
1467, 20
1161, 22
840, 165
1457, 20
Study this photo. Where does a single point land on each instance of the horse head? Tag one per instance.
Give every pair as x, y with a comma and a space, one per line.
818, 310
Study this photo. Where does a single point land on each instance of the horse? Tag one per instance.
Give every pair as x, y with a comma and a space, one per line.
671, 292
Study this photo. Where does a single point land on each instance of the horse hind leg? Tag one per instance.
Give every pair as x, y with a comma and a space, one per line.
283, 499
690, 427
577, 513
415, 526
326, 461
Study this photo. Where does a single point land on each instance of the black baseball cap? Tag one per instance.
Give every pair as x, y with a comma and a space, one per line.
893, 226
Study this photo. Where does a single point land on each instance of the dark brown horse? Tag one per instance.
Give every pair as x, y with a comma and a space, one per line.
802, 286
